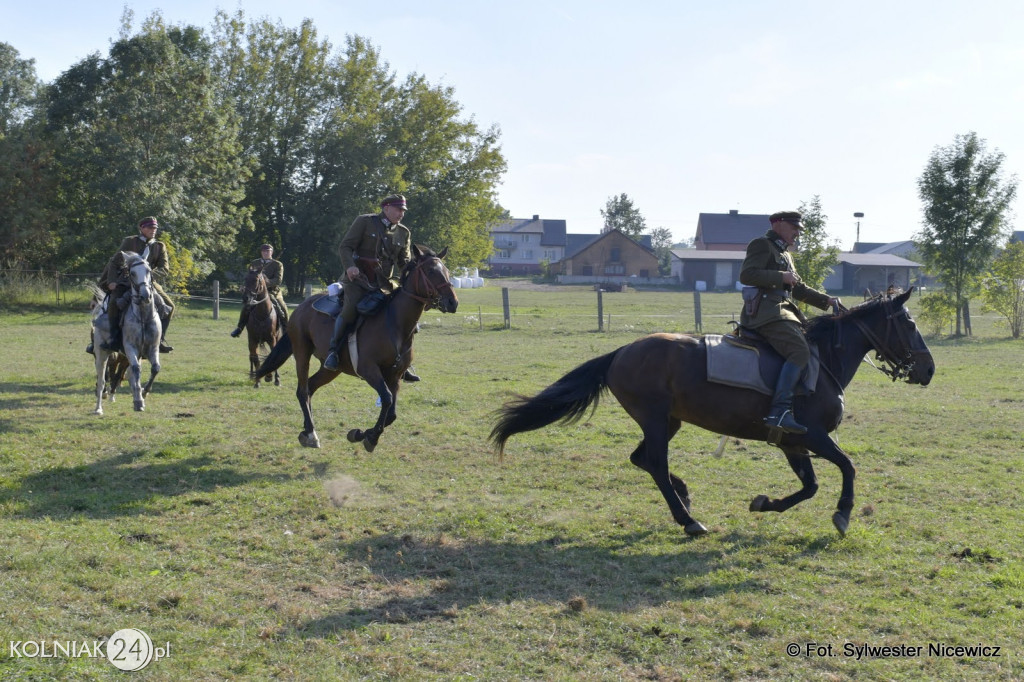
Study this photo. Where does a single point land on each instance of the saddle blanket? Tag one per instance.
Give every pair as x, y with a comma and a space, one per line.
746, 364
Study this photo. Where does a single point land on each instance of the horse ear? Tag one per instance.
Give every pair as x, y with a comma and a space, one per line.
416, 252
444, 252
905, 296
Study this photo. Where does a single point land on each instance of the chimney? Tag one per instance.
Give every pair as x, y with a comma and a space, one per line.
734, 211
536, 216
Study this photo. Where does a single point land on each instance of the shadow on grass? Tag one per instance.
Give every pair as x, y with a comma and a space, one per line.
118, 486
423, 581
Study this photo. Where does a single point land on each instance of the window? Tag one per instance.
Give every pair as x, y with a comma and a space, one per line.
528, 254
616, 255
615, 269
588, 270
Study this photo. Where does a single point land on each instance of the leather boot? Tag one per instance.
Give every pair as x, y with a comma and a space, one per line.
113, 344
165, 347
410, 375
243, 318
333, 360
781, 413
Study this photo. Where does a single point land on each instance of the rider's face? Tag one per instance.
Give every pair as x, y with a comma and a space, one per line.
394, 213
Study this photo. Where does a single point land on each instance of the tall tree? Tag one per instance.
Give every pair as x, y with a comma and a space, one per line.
142, 132
661, 242
18, 88
966, 203
620, 214
817, 254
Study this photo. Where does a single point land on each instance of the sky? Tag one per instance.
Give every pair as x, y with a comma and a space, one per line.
687, 107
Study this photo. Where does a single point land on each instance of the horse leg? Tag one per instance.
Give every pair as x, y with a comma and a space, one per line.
820, 444
652, 456
135, 377
154, 369
254, 360
801, 464
101, 375
386, 393
303, 394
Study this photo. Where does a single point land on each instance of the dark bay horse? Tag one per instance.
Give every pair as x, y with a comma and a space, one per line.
661, 381
262, 324
384, 343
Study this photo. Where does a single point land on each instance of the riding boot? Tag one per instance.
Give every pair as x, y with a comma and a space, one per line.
165, 322
243, 319
89, 349
333, 360
781, 414
113, 344
410, 375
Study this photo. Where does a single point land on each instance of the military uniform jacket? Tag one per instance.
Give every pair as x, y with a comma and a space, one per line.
273, 272
371, 238
763, 266
157, 258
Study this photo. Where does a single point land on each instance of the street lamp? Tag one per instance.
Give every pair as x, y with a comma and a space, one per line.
858, 215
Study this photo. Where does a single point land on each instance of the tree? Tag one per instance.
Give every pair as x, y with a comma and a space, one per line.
661, 242
143, 133
620, 214
1004, 287
18, 88
817, 254
966, 202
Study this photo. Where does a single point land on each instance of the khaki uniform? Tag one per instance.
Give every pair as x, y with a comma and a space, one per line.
157, 260
273, 272
380, 250
777, 317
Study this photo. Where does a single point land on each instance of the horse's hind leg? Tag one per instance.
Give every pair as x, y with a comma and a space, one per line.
101, 377
800, 462
652, 456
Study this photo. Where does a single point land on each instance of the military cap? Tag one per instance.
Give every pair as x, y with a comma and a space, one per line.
394, 200
264, 247
148, 221
791, 217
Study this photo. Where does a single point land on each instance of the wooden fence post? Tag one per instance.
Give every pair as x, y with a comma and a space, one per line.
696, 310
505, 308
600, 310
216, 299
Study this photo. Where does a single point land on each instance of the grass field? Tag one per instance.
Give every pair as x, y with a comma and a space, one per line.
203, 523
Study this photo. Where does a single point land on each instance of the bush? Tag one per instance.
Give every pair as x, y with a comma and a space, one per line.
936, 312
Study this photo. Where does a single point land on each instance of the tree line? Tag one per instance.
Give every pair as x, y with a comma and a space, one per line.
234, 135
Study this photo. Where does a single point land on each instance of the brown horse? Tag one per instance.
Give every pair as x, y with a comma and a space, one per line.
262, 324
384, 349
661, 381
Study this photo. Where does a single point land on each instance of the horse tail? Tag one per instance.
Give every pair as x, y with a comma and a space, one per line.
282, 351
566, 401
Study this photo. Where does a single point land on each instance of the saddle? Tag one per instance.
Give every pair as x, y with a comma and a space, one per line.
747, 361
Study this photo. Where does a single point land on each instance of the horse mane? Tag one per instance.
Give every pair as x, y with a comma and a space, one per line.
822, 326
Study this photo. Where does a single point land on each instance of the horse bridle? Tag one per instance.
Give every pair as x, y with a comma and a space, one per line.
432, 295
266, 290
136, 296
897, 365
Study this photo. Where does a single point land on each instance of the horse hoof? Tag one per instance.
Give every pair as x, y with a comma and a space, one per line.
841, 522
310, 440
369, 445
695, 529
98, 410
758, 503
139, 407
355, 435
277, 382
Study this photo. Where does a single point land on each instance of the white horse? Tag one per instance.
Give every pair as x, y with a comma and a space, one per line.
140, 334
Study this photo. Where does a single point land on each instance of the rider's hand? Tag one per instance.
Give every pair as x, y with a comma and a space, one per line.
352, 273
112, 285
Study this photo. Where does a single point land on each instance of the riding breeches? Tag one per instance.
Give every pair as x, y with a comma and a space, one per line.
788, 339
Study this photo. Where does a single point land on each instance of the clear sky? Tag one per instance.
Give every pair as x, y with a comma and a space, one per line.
685, 106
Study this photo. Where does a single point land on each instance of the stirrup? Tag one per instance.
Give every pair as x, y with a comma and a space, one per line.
90, 350
237, 332
785, 422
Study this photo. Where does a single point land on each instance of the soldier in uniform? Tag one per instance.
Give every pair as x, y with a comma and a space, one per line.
146, 245
273, 272
373, 253
771, 285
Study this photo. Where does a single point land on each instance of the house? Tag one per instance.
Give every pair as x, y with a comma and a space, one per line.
721, 243
522, 245
730, 231
609, 257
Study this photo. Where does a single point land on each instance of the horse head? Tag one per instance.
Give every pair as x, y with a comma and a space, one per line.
427, 280
140, 276
255, 287
896, 339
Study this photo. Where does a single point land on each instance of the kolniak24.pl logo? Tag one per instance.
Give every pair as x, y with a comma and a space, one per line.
128, 649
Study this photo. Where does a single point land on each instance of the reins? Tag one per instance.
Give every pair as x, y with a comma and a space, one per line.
895, 367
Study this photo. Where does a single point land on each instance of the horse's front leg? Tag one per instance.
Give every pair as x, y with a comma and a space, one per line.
101, 375
820, 444
801, 464
135, 376
154, 369
387, 394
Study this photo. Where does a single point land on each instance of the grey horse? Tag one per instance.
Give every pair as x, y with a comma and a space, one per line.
140, 332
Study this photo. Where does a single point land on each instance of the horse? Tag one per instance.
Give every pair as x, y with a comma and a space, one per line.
661, 381
262, 323
140, 334
384, 348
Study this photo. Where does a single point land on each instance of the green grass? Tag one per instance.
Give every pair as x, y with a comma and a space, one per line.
202, 521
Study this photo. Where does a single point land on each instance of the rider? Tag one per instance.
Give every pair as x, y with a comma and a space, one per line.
373, 253
146, 245
273, 272
768, 267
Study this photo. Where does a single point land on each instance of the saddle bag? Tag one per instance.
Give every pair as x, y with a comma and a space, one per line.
371, 303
